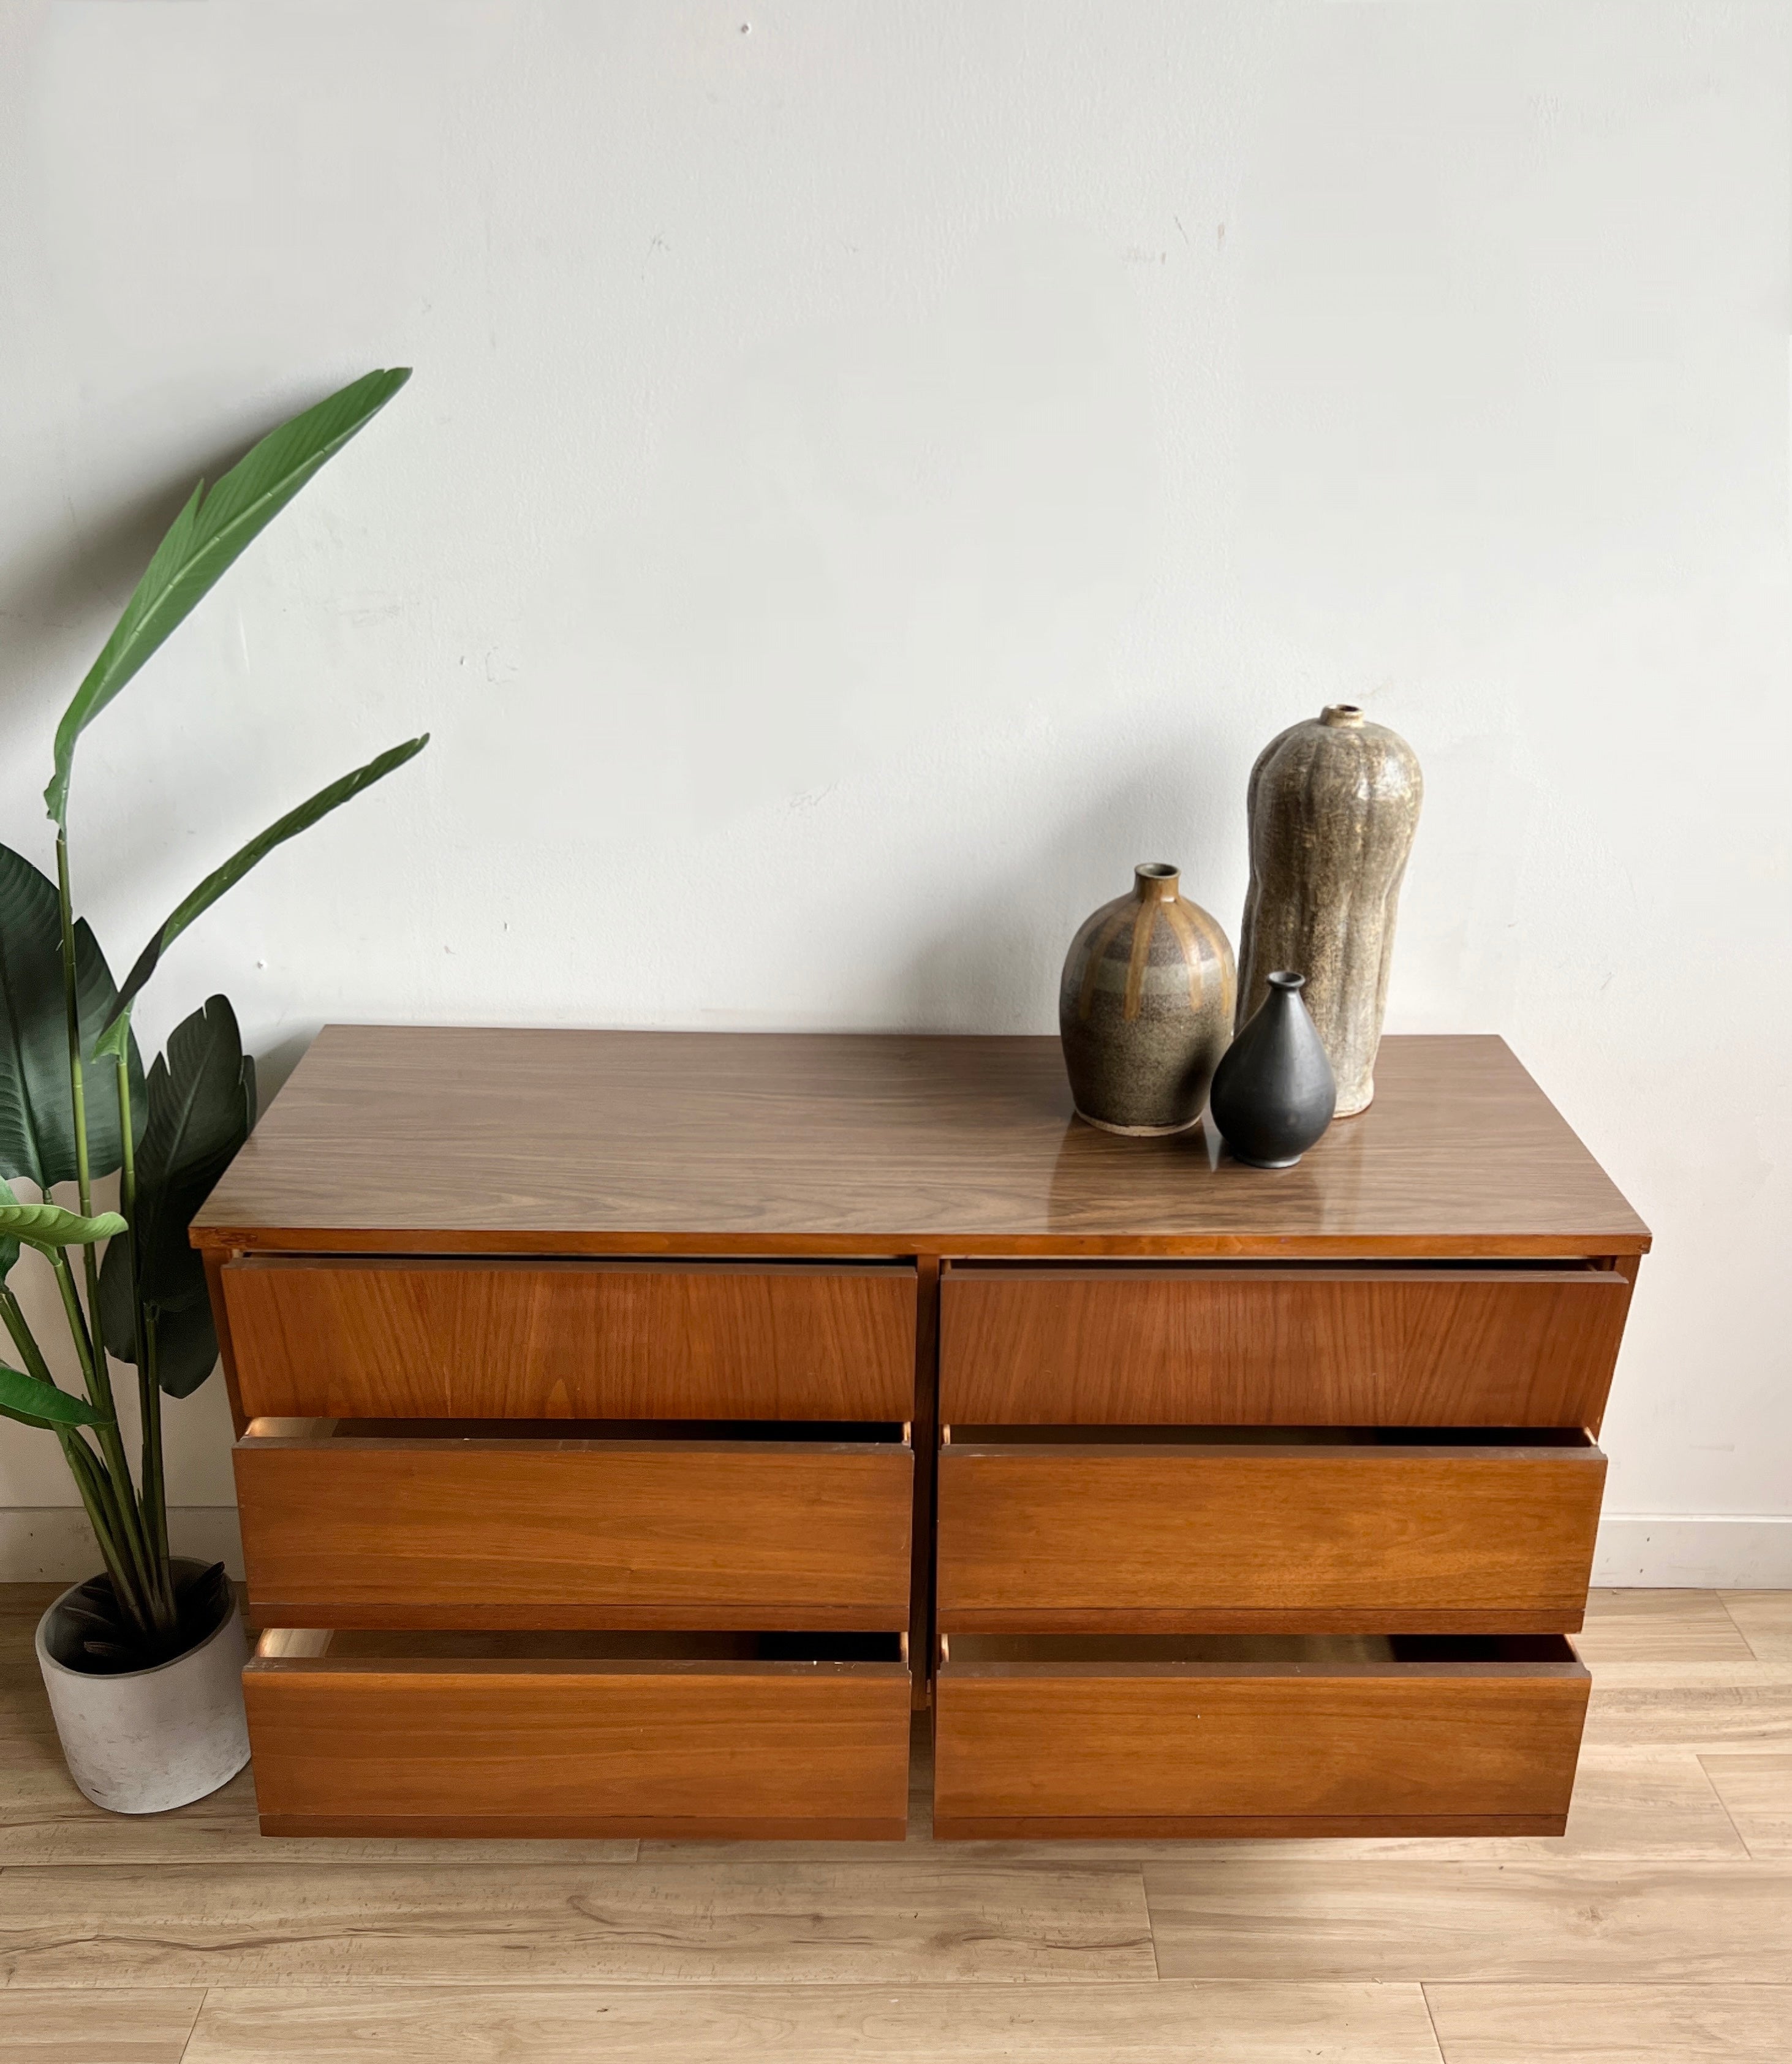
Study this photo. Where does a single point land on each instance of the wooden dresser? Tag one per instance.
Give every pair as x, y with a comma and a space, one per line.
634, 1427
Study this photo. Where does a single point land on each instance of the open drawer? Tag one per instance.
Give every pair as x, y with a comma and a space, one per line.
422, 1337
1147, 1530
530, 1524
1144, 1735
587, 1735
1354, 1345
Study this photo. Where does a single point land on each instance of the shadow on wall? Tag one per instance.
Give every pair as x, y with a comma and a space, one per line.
994, 967
991, 963
275, 1063
70, 585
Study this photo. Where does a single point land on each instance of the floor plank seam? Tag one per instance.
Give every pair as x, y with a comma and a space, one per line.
1424, 1994
1742, 1631
199, 2012
1724, 1805
1150, 1923
1110, 1867
992, 1988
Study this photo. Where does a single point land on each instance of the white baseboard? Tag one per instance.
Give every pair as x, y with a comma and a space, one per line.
1688, 1552
43, 1543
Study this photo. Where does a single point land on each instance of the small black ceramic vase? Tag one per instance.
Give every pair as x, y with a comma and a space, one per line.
1274, 1093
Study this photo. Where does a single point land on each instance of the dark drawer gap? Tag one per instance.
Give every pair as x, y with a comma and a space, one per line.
1122, 1270
1289, 1653
1467, 1438
819, 1432
380, 1645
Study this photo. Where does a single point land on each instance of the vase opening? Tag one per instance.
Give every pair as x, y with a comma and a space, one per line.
1154, 880
1337, 713
1283, 978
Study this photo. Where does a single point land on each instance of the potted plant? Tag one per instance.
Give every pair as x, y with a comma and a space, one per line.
143, 1662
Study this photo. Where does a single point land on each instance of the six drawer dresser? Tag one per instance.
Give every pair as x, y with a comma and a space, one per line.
634, 1428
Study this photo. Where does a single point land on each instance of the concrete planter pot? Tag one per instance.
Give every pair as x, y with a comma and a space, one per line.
145, 1740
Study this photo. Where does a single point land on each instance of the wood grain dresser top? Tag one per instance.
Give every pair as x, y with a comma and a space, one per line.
456, 1139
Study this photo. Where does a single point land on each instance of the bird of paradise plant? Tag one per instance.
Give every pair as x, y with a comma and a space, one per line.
75, 1104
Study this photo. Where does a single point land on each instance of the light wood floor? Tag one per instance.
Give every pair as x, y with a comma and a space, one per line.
1659, 1928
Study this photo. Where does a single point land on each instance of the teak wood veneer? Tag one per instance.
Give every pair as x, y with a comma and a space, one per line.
571, 1340
1287, 1347
1192, 1531
620, 1414
1100, 1738
401, 1735
416, 1524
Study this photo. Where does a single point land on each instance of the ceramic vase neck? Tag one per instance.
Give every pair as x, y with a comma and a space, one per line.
1155, 881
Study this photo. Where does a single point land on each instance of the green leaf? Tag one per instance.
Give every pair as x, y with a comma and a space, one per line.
206, 539
9, 1246
23, 1397
214, 884
201, 1105
186, 1348
49, 1226
37, 1111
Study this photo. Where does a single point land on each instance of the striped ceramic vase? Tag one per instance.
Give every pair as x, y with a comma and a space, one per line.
1144, 1008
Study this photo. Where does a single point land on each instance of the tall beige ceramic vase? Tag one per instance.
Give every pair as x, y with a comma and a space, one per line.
1332, 808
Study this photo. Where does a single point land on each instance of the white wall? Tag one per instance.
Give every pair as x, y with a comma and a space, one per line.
874, 472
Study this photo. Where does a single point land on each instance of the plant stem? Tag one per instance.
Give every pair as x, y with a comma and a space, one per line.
77, 1072
95, 1375
151, 1579
111, 1444
90, 1480
155, 1501
71, 1009
90, 1272
20, 1328
153, 1494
